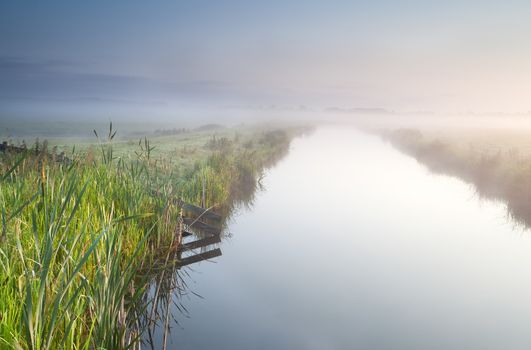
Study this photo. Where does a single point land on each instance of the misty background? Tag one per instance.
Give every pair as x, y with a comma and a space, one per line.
231, 61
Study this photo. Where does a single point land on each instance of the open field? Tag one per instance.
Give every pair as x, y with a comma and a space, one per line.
179, 146
496, 161
80, 240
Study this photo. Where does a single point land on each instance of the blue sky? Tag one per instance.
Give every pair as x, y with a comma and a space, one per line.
160, 57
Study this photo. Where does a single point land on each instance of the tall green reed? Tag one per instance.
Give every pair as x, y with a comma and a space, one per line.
79, 239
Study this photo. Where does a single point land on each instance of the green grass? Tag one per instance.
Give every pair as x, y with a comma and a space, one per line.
79, 240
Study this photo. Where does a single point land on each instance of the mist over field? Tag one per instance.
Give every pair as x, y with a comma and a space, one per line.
283, 174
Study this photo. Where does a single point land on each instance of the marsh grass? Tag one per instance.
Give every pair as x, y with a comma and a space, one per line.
81, 241
498, 166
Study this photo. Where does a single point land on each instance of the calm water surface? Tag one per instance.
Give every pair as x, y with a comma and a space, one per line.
354, 245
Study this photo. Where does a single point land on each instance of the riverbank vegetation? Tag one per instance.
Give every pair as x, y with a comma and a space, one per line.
79, 238
496, 161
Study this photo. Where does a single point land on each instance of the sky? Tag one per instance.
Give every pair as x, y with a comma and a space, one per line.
168, 58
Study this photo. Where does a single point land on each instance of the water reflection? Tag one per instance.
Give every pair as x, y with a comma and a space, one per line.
355, 245
165, 294
479, 170
169, 289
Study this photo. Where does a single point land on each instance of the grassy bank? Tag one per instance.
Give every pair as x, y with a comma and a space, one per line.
79, 239
497, 162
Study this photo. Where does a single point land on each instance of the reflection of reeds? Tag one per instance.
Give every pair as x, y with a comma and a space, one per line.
239, 174
81, 240
166, 289
496, 174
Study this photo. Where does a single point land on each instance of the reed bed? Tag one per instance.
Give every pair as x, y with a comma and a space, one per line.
80, 239
496, 163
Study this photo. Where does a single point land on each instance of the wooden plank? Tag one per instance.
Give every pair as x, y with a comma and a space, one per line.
200, 257
201, 212
201, 226
186, 234
200, 243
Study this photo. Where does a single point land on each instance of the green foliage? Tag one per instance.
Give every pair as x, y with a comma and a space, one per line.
78, 238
